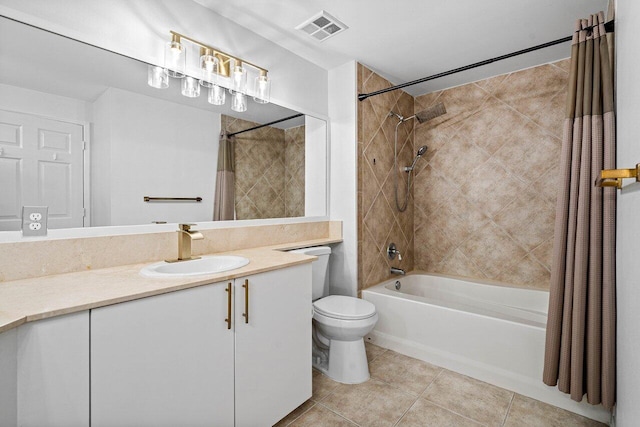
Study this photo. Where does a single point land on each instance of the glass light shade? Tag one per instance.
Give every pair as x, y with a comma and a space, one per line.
209, 69
262, 89
190, 87
239, 102
239, 78
217, 95
157, 77
175, 59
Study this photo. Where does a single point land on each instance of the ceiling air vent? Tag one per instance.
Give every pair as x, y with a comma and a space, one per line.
322, 26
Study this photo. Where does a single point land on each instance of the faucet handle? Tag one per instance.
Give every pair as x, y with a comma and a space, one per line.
186, 227
392, 252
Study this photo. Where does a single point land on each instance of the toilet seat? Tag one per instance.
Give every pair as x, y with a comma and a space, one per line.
345, 308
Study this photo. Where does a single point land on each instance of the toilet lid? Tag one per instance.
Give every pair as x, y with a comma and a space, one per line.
343, 307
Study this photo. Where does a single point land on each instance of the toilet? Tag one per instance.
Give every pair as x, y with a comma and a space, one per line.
339, 325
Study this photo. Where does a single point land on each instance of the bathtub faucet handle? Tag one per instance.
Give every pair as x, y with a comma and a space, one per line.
392, 251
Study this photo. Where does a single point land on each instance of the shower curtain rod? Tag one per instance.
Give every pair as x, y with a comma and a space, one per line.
267, 124
609, 27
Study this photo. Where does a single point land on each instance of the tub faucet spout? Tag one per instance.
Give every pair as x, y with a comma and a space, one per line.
399, 271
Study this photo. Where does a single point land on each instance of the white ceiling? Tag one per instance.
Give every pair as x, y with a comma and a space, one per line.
405, 40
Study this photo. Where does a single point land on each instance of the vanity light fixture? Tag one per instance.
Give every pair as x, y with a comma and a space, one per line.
218, 70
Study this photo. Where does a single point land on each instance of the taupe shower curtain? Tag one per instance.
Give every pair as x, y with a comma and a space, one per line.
581, 328
224, 201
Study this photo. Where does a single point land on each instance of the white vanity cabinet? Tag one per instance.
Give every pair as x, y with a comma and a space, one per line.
52, 367
165, 360
173, 359
273, 348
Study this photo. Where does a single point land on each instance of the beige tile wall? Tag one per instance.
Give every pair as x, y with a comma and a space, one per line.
379, 222
485, 200
294, 171
485, 191
269, 180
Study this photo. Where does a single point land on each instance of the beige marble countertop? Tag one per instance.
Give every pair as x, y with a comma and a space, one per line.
38, 298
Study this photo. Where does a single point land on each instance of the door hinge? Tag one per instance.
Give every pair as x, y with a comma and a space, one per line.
84, 212
84, 145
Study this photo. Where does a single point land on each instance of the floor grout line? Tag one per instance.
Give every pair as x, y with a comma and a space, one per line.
313, 403
454, 412
338, 414
506, 415
407, 410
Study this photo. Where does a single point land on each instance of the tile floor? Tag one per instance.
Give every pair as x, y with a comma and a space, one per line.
407, 392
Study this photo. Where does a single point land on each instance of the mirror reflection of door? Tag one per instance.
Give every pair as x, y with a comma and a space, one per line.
41, 164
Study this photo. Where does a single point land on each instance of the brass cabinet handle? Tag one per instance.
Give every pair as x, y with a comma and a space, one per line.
228, 319
246, 301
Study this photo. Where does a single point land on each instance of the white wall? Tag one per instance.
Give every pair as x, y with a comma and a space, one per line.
144, 146
315, 166
141, 29
344, 177
29, 101
628, 245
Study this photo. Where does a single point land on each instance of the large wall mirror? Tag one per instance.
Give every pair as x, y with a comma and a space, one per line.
82, 133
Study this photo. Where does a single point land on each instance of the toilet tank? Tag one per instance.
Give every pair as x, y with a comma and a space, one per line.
319, 269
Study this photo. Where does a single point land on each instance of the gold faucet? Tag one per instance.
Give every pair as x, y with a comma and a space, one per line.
185, 236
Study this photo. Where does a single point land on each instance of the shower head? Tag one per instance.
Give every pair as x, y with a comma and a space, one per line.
431, 113
421, 151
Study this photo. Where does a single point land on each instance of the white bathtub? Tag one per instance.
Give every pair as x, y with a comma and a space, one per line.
490, 332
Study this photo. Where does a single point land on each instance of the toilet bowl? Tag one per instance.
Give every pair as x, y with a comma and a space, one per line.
339, 325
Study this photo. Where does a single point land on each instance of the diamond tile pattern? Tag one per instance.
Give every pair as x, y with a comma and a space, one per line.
380, 222
269, 168
483, 201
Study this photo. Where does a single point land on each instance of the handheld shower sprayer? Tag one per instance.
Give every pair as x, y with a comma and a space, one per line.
421, 152
421, 117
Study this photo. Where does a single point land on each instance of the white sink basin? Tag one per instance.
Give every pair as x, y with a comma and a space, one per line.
205, 265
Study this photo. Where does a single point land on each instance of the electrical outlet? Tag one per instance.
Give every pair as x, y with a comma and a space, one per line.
34, 220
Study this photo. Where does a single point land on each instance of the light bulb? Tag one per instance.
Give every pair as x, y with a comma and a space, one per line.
217, 95
157, 77
190, 87
262, 88
208, 67
239, 78
239, 102
175, 58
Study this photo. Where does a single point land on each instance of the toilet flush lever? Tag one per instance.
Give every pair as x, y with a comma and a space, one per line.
392, 252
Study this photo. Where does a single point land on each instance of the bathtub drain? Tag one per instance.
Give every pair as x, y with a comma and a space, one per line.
398, 285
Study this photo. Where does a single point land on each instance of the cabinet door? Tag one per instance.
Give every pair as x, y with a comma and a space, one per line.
165, 360
273, 350
53, 372
9, 378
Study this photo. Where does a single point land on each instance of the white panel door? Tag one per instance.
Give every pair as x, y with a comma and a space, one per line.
53, 372
273, 349
165, 360
41, 164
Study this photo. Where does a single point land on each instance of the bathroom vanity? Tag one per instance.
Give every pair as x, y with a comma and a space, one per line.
226, 349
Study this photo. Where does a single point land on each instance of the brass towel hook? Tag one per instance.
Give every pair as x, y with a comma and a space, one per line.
613, 177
